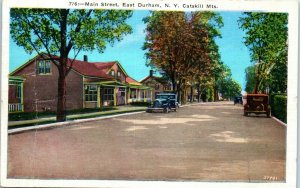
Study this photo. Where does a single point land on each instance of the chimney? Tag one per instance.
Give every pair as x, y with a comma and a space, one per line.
151, 73
85, 58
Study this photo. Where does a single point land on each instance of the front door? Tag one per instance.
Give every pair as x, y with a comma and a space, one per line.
121, 97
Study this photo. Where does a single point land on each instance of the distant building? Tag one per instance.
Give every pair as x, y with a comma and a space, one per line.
89, 85
158, 83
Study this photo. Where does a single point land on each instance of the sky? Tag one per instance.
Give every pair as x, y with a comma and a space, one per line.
130, 54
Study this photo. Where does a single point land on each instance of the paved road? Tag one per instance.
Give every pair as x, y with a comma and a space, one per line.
205, 142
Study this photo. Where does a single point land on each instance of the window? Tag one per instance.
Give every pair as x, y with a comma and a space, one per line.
141, 94
148, 94
90, 93
18, 91
112, 73
44, 67
108, 94
119, 74
133, 94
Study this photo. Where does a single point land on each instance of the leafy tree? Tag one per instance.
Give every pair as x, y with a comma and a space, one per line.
229, 88
250, 79
180, 44
278, 77
163, 42
266, 37
60, 31
215, 69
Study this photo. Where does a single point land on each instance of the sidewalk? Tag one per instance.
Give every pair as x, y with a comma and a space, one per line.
52, 119
119, 110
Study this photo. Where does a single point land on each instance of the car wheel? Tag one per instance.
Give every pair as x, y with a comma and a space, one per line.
166, 110
268, 114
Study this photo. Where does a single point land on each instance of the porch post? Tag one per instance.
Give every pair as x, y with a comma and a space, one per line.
98, 97
83, 94
22, 97
145, 96
125, 95
115, 96
129, 94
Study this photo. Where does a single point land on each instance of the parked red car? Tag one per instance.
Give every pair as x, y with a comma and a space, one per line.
257, 104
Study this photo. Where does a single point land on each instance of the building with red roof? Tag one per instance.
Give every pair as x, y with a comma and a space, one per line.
89, 85
159, 84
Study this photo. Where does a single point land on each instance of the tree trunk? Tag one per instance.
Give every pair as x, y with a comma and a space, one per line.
61, 94
173, 84
257, 77
198, 93
216, 98
61, 99
257, 82
192, 94
182, 96
178, 93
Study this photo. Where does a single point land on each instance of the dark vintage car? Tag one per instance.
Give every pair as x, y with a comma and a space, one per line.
238, 100
257, 104
164, 102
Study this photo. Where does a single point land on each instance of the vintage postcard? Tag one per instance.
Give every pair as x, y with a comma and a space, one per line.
149, 93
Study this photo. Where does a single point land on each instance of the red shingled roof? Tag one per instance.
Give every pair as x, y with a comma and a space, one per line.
95, 69
132, 81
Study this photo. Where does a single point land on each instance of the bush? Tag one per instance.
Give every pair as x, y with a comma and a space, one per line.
278, 104
140, 103
18, 116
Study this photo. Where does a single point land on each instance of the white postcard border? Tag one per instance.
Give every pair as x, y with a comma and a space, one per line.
225, 5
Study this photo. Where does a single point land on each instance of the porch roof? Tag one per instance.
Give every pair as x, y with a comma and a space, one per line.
16, 79
116, 83
107, 83
139, 87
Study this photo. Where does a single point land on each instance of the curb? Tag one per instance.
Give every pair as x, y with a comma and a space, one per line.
279, 121
193, 104
67, 123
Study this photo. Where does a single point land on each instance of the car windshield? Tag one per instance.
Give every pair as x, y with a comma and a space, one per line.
165, 96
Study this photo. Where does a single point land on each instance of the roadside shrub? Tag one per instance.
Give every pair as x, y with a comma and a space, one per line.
18, 116
278, 104
140, 103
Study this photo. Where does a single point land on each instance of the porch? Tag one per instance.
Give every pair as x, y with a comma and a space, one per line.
15, 96
113, 93
139, 94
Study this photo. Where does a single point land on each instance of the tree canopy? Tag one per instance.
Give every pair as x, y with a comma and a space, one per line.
266, 38
182, 45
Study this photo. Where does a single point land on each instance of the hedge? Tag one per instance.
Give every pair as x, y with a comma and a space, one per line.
140, 103
278, 104
17, 116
